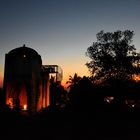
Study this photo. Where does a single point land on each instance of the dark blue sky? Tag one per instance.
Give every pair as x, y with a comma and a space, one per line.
61, 30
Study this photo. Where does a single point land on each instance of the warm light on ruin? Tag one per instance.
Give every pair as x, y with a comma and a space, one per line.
109, 99
24, 107
10, 102
136, 77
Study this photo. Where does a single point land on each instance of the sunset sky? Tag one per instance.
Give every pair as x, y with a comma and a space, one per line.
61, 30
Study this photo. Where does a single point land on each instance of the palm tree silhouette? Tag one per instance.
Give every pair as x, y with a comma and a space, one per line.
73, 81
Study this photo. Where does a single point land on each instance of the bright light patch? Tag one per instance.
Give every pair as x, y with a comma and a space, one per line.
109, 99
24, 107
10, 102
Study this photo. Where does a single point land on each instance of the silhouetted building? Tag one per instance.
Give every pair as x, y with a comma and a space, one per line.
26, 80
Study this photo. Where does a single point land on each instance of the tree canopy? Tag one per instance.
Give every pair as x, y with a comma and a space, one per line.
112, 55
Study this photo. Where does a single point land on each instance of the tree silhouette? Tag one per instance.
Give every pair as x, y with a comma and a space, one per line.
73, 81
112, 55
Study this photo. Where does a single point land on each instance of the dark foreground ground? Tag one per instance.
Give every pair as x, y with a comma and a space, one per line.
103, 125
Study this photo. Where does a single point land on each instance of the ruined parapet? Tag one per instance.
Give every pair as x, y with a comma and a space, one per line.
49, 86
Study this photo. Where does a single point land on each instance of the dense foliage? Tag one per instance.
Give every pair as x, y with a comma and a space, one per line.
112, 55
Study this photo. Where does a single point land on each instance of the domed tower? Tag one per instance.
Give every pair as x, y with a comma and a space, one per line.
22, 77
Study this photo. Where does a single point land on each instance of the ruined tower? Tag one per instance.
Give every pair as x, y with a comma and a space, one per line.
26, 80
22, 77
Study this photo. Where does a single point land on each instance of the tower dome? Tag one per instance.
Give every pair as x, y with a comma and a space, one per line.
23, 52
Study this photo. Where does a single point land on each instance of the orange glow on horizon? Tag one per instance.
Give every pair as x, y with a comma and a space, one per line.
70, 66
66, 78
80, 70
